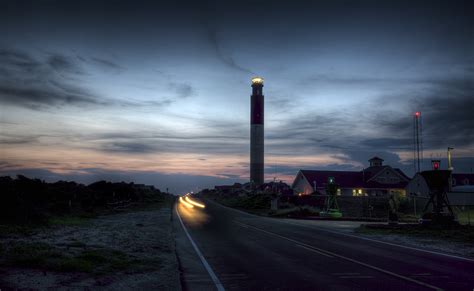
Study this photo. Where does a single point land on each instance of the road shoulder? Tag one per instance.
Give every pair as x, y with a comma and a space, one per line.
133, 250
193, 275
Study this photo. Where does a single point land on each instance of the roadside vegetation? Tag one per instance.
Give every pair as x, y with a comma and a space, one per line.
465, 215
49, 258
257, 203
295, 211
31, 202
260, 203
100, 234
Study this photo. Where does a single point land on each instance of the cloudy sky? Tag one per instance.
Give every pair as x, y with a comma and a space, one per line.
158, 93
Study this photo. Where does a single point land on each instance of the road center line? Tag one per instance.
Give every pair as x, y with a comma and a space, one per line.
214, 278
344, 258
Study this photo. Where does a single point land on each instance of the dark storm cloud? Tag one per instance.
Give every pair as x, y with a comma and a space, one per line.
388, 143
293, 170
61, 64
446, 109
139, 142
18, 61
104, 64
397, 46
183, 90
129, 147
17, 140
446, 106
37, 84
223, 56
107, 64
345, 80
362, 155
162, 103
312, 127
40, 84
195, 144
229, 176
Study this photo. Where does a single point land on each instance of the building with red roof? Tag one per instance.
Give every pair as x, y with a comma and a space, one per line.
375, 180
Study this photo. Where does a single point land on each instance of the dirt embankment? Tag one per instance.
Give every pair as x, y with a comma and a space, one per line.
120, 251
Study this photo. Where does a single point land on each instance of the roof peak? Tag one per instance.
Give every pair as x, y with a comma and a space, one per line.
376, 158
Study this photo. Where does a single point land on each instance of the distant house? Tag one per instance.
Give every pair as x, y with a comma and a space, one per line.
280, 188
228, 188
375, 180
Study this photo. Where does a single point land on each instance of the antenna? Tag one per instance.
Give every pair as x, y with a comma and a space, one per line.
417, 142
421, 140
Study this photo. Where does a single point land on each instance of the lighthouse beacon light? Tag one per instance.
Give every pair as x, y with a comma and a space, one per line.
257, 80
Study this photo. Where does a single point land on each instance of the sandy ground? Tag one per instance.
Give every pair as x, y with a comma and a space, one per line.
439, 245
144, 235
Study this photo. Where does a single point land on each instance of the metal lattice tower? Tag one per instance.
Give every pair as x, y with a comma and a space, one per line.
417, 142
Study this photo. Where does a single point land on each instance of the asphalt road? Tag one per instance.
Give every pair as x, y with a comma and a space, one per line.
248, 252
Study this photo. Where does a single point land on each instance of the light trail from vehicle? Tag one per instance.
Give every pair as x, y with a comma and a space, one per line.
200, 205
185, 203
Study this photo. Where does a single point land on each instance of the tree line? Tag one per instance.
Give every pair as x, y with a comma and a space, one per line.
25, 200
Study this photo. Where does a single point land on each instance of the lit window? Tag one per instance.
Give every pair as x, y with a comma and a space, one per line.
359, 191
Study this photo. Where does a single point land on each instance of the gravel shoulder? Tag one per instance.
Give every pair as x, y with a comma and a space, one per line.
142, 243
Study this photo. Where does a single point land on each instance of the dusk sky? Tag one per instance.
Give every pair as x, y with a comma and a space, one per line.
159, 93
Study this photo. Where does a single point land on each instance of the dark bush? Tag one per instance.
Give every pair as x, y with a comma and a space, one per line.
24, 200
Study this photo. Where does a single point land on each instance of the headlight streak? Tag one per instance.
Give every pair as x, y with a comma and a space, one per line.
194, 202
185, 203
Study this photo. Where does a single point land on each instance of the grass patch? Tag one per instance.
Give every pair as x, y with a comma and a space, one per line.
463, 234
73, 265
46, 257
69, 220
465, 216
151, 204
34, 255
8, 230
302, 211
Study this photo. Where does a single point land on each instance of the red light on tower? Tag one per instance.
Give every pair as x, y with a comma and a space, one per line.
435, 164
417, 114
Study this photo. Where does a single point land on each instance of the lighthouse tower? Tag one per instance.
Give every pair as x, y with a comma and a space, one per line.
256, 132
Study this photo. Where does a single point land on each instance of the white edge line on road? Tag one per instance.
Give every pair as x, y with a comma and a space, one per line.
346, 258
214, 278
351, 235
379, 241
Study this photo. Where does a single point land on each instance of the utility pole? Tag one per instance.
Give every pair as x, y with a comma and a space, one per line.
450, 165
